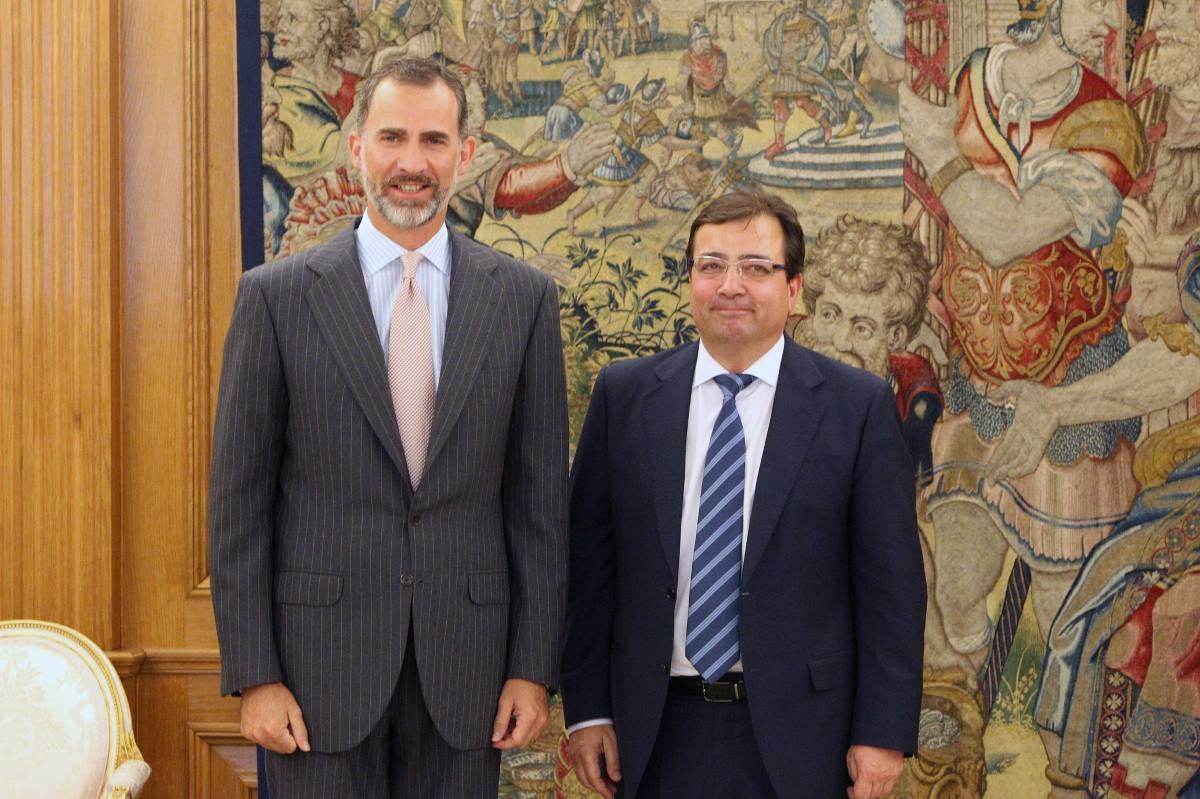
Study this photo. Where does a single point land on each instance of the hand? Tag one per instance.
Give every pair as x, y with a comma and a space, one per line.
1145, 245
588, 746
1034, 423
591, 146
873, 771
521, 714
928, 129
272, 719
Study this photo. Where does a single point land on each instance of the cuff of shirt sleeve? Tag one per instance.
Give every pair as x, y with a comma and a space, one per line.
589, 723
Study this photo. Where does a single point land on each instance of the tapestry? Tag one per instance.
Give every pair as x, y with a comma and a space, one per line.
1000, 199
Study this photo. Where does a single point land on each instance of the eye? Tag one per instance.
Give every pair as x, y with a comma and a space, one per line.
709, 267
757, 269
828, 313
863, 330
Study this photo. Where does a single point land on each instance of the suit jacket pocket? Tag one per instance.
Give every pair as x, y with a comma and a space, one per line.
830, 671
488, 588
307, 588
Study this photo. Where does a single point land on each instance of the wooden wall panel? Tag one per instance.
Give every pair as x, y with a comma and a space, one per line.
119, 258
154, 330
59, 251
220, 764
234, 773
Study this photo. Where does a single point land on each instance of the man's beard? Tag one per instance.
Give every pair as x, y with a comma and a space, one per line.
1089, 52
877, 364
408, 214
1177, 61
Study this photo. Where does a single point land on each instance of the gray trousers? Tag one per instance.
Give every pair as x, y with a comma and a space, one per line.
402, 758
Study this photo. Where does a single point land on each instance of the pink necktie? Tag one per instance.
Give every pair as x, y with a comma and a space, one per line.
410, 368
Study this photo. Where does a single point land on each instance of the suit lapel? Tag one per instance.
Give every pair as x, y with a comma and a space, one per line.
475, 299
795, 415
666, 418
339, 303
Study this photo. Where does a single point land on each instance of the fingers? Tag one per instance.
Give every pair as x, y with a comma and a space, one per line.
612, 758
594, 752
1007, 392
521, 716
271, 717
503, 718
298, 729
873, 771
587, 768
864, 790
523, 731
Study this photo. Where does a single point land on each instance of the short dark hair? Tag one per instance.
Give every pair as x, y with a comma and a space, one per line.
412, 71
739, 205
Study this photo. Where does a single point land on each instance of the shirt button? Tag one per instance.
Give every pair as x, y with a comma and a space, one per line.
406, 579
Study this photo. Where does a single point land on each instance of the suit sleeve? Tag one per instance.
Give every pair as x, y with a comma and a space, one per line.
888, 584
535, 502
586, 686
247, 447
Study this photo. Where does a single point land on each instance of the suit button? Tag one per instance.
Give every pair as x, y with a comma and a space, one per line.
665, 668
671, 594
415, 519
406, 579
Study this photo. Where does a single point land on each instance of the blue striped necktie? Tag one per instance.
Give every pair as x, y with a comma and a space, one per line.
713, 599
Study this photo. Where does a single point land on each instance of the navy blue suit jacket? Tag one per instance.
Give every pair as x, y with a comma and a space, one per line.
833, 589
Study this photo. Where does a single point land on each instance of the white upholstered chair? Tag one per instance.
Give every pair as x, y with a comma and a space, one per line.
65, 729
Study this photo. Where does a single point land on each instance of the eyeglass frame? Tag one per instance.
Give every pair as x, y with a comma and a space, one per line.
775, 267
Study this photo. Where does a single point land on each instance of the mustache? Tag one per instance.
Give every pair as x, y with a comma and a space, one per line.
420, 178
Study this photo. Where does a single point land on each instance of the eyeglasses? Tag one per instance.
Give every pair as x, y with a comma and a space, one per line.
713, 268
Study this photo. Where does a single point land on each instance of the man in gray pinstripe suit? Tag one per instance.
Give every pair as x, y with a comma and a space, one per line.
388, 540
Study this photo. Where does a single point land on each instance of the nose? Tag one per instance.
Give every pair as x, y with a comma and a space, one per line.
731, 283
407, 157
841, 337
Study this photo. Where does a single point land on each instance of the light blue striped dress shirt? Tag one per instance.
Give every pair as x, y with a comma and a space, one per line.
382, 271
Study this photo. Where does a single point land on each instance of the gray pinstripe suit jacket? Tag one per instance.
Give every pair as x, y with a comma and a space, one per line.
322, 556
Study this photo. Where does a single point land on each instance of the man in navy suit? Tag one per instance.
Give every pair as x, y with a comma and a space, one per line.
747, 600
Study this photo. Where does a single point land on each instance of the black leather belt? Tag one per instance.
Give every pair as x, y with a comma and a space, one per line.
730, 688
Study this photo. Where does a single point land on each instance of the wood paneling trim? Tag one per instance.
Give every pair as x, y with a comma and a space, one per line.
59, 306
197, 262
127, 664
203, 738
234, 772
166, 661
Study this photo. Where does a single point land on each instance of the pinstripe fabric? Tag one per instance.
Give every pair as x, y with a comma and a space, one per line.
323, 557
402, 758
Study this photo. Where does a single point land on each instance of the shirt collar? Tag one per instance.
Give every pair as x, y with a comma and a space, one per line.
376, 250
765, 368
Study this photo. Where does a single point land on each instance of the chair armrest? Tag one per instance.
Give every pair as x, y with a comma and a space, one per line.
127, 781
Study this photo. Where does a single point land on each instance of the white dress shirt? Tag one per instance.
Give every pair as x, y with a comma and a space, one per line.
383, 271
754, 405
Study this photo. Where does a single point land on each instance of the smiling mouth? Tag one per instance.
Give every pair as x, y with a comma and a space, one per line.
409, 188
